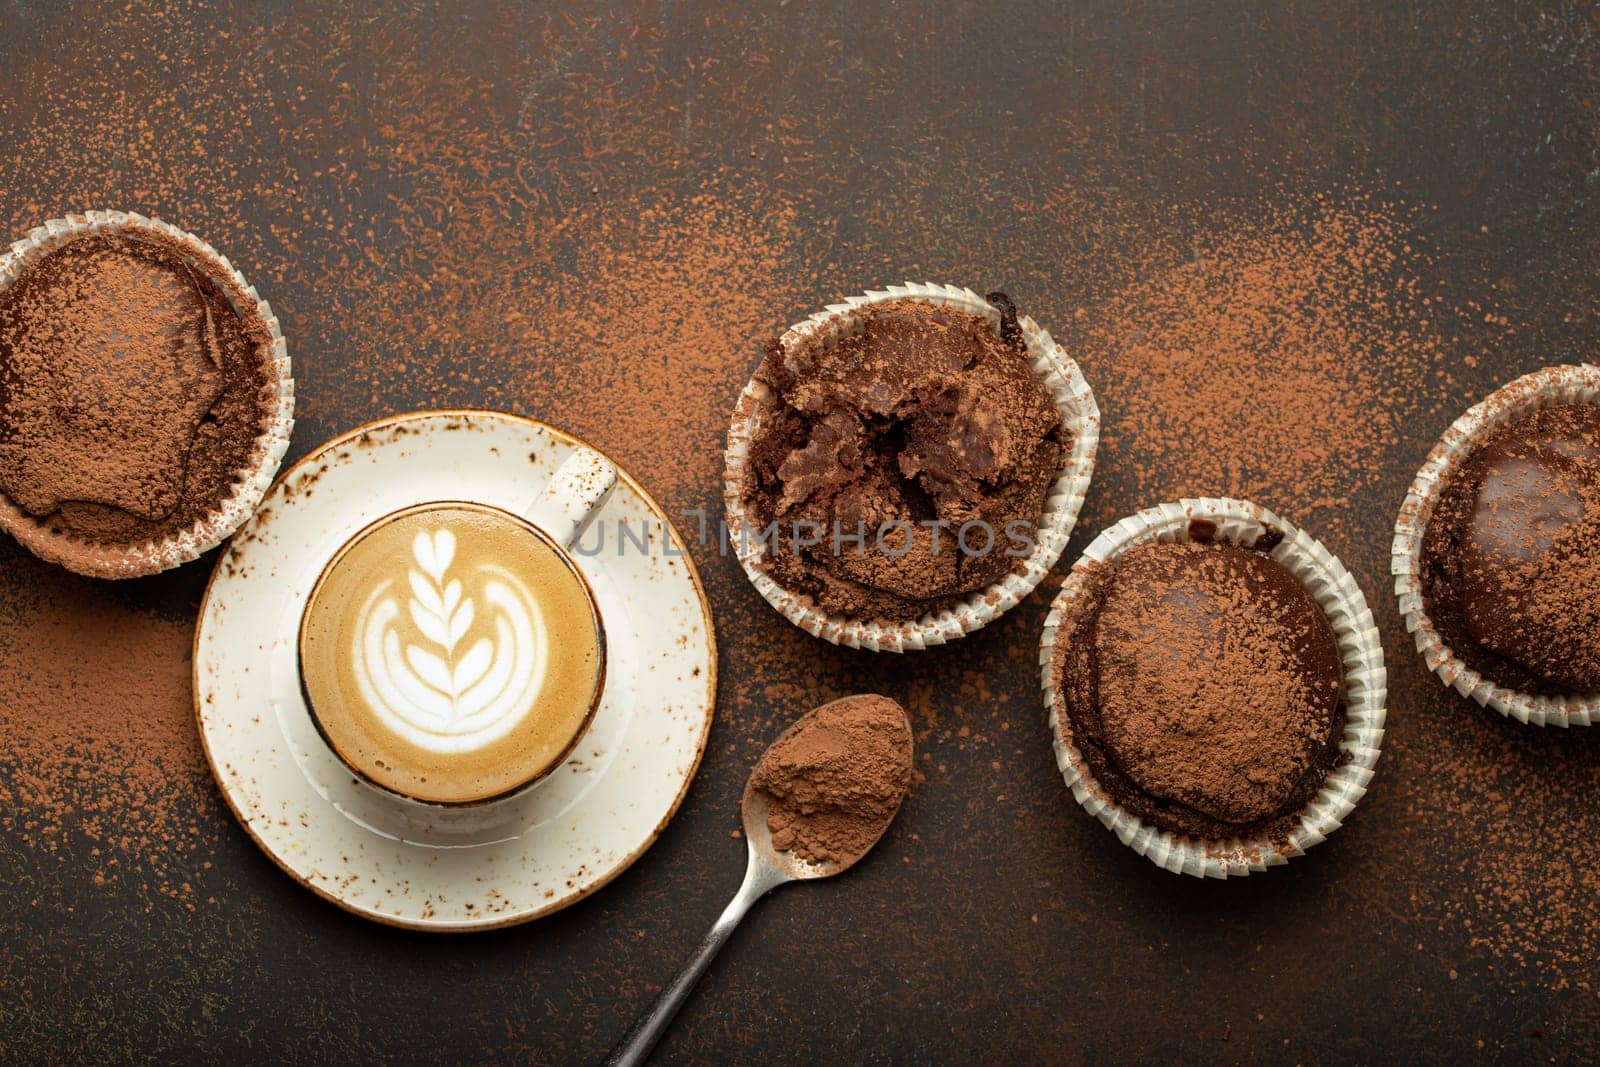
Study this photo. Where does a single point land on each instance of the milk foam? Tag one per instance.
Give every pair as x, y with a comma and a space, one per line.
426, 683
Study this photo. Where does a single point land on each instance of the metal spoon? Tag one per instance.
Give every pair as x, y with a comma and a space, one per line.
766, 869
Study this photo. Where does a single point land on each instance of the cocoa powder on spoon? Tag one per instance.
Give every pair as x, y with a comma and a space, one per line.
834, 782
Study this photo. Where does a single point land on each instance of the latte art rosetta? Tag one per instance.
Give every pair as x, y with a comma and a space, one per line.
451, 653
442, 683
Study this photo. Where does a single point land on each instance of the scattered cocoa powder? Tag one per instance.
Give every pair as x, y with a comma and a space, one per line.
1273, 353
833, 782
97, 735
1498, 832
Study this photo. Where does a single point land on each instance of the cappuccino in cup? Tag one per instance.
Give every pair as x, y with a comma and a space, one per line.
452, 653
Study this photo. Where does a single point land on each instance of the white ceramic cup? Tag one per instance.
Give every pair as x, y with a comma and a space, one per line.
459, 699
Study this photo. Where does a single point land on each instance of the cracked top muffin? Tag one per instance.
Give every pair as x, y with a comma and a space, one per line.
906, 466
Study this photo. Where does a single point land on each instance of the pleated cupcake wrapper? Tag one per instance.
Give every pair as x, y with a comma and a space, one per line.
1079, 416
1579, 384
132, 561
1366, 689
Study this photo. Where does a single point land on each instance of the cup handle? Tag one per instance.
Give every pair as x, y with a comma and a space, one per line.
573, 496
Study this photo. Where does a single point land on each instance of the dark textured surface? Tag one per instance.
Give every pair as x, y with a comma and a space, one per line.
370, 173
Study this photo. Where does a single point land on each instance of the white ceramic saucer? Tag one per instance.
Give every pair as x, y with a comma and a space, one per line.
433, 868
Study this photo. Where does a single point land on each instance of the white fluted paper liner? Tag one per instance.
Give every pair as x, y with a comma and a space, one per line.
1080, 417
1366, 688
1552, 386
132, 561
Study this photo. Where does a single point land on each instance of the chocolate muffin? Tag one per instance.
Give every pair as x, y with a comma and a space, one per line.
132, 391
1204, 688
1510, 562
915, 456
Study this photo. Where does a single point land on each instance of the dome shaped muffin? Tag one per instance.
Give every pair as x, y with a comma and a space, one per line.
1511, 557
144, 395
1214, 685
1205, 688
1496, 551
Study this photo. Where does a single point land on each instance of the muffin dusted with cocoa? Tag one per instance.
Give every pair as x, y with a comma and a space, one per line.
904, 466
1510, 562
1203, 685
140, 390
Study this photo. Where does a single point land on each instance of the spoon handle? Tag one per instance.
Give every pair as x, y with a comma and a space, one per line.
759, 879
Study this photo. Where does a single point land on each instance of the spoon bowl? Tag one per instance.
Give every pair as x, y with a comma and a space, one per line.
753, 809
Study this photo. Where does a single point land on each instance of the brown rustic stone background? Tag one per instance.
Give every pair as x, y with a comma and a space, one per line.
592, 216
